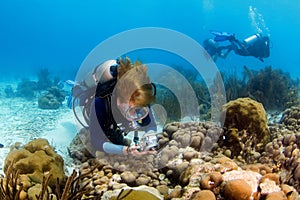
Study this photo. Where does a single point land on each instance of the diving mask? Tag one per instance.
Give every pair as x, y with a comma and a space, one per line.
134, 113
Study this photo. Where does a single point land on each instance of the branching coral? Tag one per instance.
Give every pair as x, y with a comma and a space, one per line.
234, 86
9, 187
75, 188
271, 87
44, 191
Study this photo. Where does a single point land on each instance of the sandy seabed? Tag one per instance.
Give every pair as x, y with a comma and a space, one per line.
22, 121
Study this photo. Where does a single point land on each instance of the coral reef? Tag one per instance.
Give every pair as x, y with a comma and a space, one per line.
78, 149
182, 169
9, 92
271, 87
173, 92
127, 193
26, 89
9, 186
237, 189
44, 81
283, 154
29, 89
291, 118
12, 187
235, 87
246, 128
35, 160
51, 184
168, 100
190, 164
218, 176
52, 98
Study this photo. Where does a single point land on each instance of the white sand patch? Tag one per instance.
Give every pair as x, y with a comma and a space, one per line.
61, 136
22, 121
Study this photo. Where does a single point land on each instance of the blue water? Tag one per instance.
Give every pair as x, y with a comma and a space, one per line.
59, 34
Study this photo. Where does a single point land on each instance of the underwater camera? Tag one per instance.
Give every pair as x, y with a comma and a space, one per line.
148, 142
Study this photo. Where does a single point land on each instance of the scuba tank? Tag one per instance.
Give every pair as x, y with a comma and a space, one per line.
84, 92
100, 74
252, 39
258, 46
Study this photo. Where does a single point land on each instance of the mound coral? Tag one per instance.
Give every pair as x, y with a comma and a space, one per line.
291, 118
26, 89
13, 186
237, 190
283, 150
204, 195
52, 99
142, 192
36, 160
246, 125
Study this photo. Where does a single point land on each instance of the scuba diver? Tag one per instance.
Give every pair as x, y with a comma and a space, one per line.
256, 45
115, 98
214, 50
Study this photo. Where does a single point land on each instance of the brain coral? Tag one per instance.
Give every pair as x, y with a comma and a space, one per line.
247, 115
35, 160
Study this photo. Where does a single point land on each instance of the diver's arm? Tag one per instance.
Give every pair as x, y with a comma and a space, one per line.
227, 50
111, 148
239, 47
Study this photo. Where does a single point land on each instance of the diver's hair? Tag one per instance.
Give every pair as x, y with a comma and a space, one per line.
134, 84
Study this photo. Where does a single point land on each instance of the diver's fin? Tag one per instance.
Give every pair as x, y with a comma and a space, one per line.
70, 82
222, 36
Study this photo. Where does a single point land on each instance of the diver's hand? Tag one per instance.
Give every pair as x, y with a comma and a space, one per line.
135, 151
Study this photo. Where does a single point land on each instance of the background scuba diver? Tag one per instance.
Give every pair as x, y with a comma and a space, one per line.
256, 45
115, 97
214, 50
